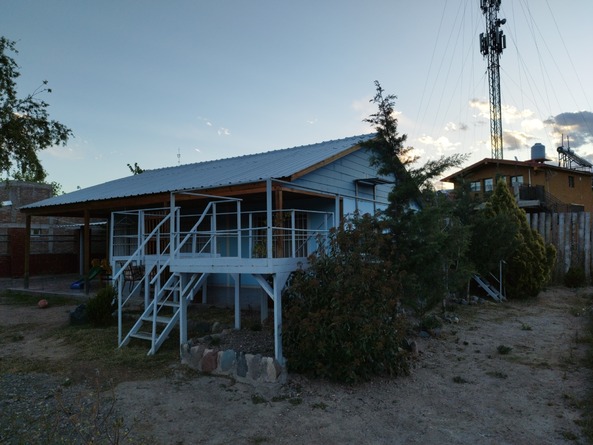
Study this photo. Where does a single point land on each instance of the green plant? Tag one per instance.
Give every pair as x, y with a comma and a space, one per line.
100, 307
575, 277
529, 260
342, 320
504, 350
256, 399
525, 327
430, 322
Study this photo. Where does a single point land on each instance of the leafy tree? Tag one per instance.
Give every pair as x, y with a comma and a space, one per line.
428, 241
529, 261
25, 126
341, 317
29, 176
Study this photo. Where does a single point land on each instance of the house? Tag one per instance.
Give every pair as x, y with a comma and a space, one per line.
537, 185
54, 242
229, 231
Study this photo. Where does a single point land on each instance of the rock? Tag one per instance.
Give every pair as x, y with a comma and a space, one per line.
216, 327
254, 366
78, 316
43, 304
209, 361
227, 360
424, 334
241, 365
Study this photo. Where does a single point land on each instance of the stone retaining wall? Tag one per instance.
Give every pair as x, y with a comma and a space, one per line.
247, 368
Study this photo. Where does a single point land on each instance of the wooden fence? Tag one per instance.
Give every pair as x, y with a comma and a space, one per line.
571, 234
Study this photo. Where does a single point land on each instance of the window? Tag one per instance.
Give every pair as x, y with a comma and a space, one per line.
475, 186
571, 182
517, 180
488, 185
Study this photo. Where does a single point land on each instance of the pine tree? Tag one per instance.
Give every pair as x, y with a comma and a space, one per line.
529, 261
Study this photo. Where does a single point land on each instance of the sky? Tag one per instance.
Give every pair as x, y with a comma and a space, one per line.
159, 83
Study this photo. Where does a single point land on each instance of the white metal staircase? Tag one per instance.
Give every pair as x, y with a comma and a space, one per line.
490, 290
162, 314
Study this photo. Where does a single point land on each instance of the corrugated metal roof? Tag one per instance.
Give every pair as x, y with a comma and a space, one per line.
210, 174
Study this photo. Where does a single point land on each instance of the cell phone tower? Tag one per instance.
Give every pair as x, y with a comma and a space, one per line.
492, 42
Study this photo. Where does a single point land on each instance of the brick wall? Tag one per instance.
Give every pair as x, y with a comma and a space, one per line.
55, 242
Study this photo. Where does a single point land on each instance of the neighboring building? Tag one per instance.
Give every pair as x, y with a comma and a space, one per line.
229, 231
537, 185
55, 242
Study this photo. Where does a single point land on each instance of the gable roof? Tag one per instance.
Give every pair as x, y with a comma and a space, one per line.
245, 169
524, 164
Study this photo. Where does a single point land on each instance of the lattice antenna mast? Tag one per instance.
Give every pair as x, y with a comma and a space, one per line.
492, 42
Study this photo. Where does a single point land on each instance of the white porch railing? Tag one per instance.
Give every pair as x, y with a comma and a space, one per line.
152, 239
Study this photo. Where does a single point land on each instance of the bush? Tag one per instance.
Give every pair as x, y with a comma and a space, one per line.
100, 307
575, 277
342, 320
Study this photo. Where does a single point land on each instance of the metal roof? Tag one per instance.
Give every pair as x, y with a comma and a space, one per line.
210, 174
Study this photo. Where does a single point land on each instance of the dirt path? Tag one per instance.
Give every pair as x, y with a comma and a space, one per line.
462, 390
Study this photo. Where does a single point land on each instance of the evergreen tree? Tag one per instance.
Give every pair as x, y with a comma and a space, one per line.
529, 261
428, 241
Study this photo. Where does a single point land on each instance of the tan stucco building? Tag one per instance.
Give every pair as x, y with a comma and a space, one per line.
537, 185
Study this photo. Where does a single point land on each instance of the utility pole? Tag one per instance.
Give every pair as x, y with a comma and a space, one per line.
492, 42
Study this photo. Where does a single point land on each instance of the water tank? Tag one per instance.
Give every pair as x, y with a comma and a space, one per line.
538, 152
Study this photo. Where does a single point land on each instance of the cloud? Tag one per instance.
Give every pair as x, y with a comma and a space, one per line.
482, 105
578, 126
363, 106
311, 121
452, 126
510, 113
516, 140
224, 131
442, 143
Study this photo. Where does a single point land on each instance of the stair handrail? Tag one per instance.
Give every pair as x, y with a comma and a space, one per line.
117, 277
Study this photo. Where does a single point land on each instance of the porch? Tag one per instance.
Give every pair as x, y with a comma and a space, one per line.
183, 252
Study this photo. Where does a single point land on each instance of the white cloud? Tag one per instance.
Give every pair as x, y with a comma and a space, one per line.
511, 113
442, 144
224, 131
532, 124
363, 106
482, 106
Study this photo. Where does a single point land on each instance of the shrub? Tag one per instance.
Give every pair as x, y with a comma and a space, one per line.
575, 277
342, 320
100, 307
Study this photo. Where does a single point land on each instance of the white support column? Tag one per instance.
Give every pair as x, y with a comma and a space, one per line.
182, 311
270, 223
237, 279
263, 308
173, 224
279, 282
205, 291
239, 231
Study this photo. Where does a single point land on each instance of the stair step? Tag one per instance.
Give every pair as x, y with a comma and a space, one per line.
142, 335
159, 319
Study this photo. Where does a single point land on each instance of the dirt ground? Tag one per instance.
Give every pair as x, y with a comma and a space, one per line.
462, 390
